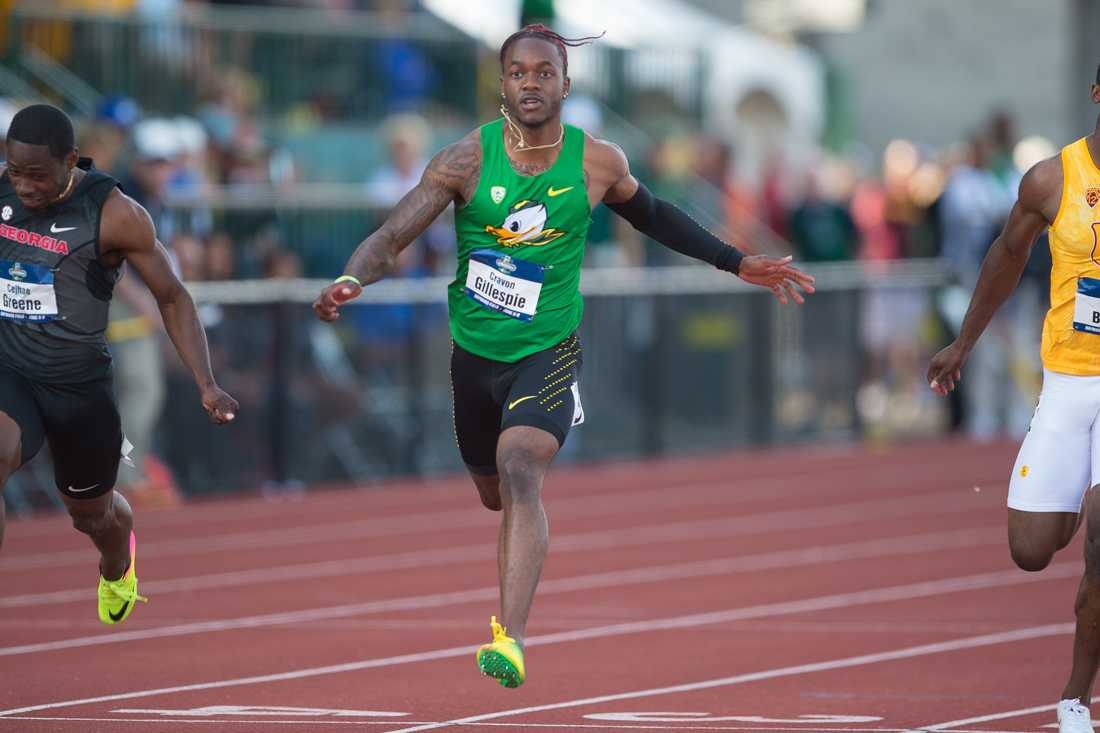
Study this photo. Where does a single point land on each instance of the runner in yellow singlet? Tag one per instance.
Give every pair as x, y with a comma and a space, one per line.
1059, 461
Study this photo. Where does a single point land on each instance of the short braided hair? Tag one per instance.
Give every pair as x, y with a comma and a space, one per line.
538, 30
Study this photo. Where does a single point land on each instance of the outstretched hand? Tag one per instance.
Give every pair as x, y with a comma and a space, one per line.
946, 368
332, 297
219, 405
778, 275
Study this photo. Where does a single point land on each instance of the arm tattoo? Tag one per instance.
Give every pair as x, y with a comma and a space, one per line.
446, 179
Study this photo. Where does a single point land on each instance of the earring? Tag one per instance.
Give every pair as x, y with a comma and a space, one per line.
565, 95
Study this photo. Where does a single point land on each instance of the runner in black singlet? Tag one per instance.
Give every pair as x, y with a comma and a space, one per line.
65, 231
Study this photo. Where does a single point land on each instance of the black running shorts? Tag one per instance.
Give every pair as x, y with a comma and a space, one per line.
540, 391
81, 423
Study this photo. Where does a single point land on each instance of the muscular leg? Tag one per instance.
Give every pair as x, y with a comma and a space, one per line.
11, 450
1086, 640
1034, 537
107, 520
523, 455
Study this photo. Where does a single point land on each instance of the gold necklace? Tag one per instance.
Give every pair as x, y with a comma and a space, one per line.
523, 147
68, 188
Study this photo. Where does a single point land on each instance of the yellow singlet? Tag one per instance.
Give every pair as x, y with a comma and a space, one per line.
1071, 330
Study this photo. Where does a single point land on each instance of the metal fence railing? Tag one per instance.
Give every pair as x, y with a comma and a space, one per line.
677, 360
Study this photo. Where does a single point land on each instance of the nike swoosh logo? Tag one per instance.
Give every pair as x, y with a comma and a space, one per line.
54, 229
116, 617
512, 405
552, 192
81, 491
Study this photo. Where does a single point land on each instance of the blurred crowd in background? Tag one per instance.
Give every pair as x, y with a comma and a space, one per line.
911, 201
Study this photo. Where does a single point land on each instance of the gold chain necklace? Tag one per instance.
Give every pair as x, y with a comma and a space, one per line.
523, 147
68, 188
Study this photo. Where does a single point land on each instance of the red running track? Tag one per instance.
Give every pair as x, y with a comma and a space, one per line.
839, 589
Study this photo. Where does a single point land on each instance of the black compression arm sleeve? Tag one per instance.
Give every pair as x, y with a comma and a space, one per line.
669, 225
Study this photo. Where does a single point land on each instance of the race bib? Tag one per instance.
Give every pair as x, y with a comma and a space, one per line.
1086, 306
503, 284
26, 292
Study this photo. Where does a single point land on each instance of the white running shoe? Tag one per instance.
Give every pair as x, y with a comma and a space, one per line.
1073, 717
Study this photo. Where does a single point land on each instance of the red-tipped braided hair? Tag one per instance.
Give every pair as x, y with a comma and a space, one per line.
538, 30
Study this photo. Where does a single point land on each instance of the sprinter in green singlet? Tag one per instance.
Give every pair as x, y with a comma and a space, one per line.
524, 187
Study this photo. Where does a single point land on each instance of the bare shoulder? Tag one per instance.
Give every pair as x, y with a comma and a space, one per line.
605, 157
125, 225
1041, 188
456, 165
1043, 177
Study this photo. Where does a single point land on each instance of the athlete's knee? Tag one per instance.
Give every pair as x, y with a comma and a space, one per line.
92, 518
520, 471
1030, 556
488, 490
9, 464
1092, 554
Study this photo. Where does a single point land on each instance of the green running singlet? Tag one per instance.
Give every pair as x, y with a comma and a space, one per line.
520, 246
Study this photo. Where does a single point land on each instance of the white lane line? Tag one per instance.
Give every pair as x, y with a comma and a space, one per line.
987, 718
755, 524
487, 724
566, 726
646, 501
760, 482
702, 568
841, 600
1034, 632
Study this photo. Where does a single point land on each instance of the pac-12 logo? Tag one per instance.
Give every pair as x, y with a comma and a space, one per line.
496, 193
6, 213
17, 272
525, 224
1092, 196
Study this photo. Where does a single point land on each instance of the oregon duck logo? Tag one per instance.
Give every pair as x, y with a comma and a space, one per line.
525, 224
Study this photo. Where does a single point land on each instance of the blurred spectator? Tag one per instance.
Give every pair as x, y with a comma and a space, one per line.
1002, 136
973, 206
407, 139
229, 118
190, 255
822, 230
105, 138
156, 145
400, 64
221, 258
133, 332
282, 264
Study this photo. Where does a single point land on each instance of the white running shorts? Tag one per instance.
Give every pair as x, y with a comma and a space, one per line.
1060, 458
